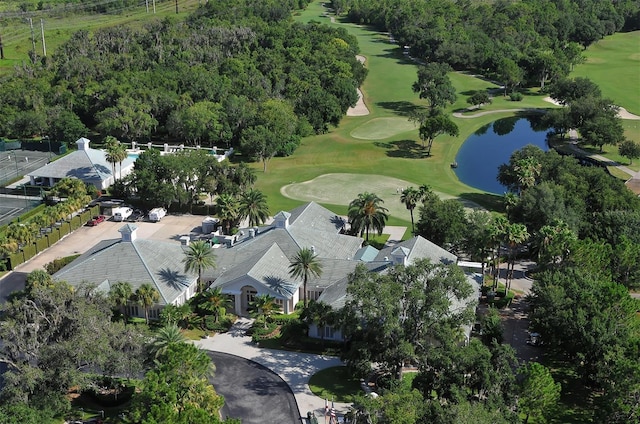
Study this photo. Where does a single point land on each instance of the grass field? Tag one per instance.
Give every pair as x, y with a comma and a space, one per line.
384, 142
614, 63
16, 34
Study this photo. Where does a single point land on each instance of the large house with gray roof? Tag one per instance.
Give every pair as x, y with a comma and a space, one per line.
254, 262
258, 261
136, 261
86, 164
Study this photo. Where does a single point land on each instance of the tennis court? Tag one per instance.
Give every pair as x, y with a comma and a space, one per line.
13, 206
17, 163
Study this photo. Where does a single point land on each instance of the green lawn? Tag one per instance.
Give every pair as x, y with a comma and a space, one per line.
387, 93
613, 64
334, 383
16, 36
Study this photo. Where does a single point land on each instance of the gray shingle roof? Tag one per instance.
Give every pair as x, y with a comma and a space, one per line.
138, 262
87, 165
313, 216
418, 248
270, 269
310, 225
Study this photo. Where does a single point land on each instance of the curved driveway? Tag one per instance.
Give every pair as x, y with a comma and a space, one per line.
252, 393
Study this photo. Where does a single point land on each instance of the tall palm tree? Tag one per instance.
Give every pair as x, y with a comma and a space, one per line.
410, 197
216, 302
497, 230
146, 296
253, 205
515, 235
304, 265
228, 210
365, 212
116, 153
263, 306
199, 256
168, 335
109, 143
120, 294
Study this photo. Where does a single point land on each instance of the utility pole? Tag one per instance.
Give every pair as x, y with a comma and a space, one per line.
44, 45
33, 40
1, 48
176, 7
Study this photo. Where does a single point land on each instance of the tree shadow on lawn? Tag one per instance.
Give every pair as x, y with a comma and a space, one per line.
407, 149
402, 108
489, 201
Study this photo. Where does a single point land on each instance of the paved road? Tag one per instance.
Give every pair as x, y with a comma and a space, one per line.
11, 282
252, 392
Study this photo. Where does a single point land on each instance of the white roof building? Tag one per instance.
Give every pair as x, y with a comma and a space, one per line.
86, 164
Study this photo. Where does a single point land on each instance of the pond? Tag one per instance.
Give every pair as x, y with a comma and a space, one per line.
492, 145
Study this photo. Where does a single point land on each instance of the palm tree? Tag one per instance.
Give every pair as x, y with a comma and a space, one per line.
120, 294
304, 265
216, 302
199, 256
253, 205
365, 213
168, 335
109, 143
497, 230
410, 197
263, 306
318, 313
515, 235
146, 296
116, 153
228, 210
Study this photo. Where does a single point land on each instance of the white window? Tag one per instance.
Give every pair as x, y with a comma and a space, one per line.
251, 295
132, 310
328, 332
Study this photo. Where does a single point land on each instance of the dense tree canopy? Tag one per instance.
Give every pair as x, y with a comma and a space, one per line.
232, 71
529, 42
402, 312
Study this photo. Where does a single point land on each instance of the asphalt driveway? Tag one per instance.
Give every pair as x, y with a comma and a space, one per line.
252, 393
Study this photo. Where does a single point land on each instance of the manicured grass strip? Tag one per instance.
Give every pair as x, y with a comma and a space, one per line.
613, 64
381, 128
336, 384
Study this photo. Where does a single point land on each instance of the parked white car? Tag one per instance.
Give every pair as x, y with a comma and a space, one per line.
157, 214
121, 214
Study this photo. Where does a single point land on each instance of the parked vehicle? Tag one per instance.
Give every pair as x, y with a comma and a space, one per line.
535, 339
96, 220
136, 216
157, 214
121, 214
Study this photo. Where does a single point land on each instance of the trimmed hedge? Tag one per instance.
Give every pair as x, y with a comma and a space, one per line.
64, 229
29, 251
284, 318
16, 259
75, 223
41, 244
53, 236
57, 264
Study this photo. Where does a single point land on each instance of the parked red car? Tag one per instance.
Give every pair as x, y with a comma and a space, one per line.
96, 220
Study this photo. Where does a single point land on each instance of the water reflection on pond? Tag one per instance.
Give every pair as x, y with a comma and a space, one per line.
492, 145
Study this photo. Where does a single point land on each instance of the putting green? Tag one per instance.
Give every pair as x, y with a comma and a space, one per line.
381, 128
341, 189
